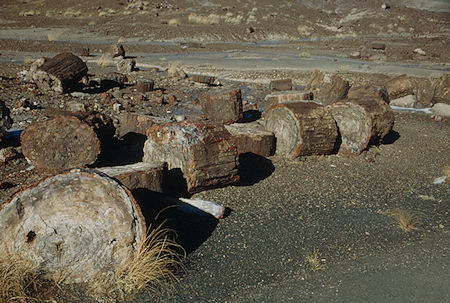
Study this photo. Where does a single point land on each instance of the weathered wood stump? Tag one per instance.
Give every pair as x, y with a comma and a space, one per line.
138, 175
5, 119
76, 225
327, 88
60, 73
252, 138
222, 106
205, 153
301, 129
361, 122
60, 143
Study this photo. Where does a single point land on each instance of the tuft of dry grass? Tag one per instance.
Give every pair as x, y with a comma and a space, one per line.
21, 281
211, 19
314, 261
404, 220
174, 22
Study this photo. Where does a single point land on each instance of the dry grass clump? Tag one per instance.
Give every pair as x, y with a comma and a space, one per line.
404, 220
20, 281
314, 261
211, 19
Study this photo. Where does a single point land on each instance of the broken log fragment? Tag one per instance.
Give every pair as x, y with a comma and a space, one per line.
281, 85
368, 90
117, 50
289, 96
399, 87
138, 175
361, 122
60, 73
202, 206
327, 88
77, 225
144, 86
203, 79
136, 123
5, 119
301, 129
222, 106
60, 143
205, 153
252, 138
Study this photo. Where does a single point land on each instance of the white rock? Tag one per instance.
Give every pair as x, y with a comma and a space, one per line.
420, 51
406, 101
441, 110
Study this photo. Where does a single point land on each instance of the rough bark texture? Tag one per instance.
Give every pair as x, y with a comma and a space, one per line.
205, 153
5, 119
76, 225
138, 175
136, 123
301, 129
203, 79
60, 73
327, 88
60, 143
222, 106
285, 97
280, 85
442, 91
361, 122
252, 138
399, 87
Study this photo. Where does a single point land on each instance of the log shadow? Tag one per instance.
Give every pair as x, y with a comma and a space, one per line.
391, 137
191, 228
251, 115
11, 138
253, 168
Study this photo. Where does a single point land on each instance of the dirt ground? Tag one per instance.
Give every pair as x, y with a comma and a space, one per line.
334, 208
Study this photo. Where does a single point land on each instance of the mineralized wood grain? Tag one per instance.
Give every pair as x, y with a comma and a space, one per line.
77, 225
327, 88
61, 72
361, 122
138, 175
222, 106
252, 138
136, 123
301, 129
205, 153
60, 143
289, 96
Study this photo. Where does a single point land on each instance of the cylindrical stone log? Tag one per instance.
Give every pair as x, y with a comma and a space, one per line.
203, 79
5, 119
361, 122
205, 153
327, 88
289, 96
136, 123
399, 87
370, 91
144, 86
281, 85
60, 143
252, 138
301, 129
77, 225
60, 73
222, 106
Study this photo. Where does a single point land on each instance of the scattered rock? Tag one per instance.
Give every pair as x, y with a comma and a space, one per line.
406, 101
203, 79
7, 154
378, 45
420, 51
399, 87
442, 91
117, 50
424, 92
281, 85
355, 55
84, 52
441, 110
144, 86
126, 66
327, 88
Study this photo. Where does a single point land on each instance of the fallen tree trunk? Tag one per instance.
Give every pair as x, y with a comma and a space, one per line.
301, 129
60, 143
60, 73
252, 138
361, 122
205, 153
78, 225
222, 106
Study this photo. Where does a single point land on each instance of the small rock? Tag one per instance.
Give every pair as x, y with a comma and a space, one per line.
378, 45
179, 117
7, 154
385, 6
406, 101
355, 55
144, 86
117, 50
117, 107
250, 30
84, 51
126, 66
441, 110
420, 51
77, 107
442, 91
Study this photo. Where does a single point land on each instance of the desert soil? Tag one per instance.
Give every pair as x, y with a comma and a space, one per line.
282, 211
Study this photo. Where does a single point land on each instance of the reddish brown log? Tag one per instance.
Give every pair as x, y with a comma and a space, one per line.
285, 97
203, 79
78, 226
361, 122
61, 73
368, 91
252, 138
399, 87
301, 129
280, 85
205, 153
222, 106
144, 86
136, 123
327, 88
60, 143
138, 175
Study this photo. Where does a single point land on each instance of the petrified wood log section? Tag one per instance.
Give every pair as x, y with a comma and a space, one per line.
76, 225
361, 122
252, 138
222, 106
60, 143
205, 153
301, 129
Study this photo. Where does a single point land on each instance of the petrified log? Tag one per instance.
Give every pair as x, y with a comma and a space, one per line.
442, 90
5, 119
205, 206
361, 122
60, 143
280, 85
138, 175
203, 79
75, 225
222, 106
205, 153
285, 97
368, 90
399, 87
252, 138
143, 86
60, 73
301, 129
117, 50
327, 88
136, 123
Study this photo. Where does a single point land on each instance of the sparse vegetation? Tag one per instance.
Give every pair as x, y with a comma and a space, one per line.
314, 261
211, 19
404, 220
174, 22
